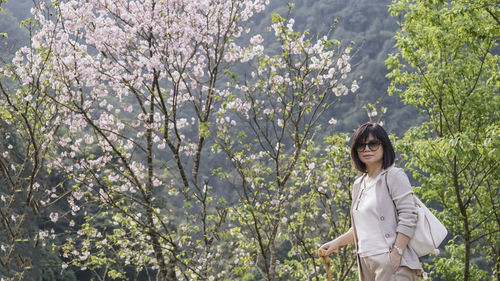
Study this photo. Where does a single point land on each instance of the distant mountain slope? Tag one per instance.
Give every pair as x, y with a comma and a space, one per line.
369, 25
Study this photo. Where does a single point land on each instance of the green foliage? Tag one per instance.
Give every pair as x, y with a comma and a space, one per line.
449, 267
447, 67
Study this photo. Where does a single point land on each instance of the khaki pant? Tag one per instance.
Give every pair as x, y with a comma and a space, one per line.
379, 268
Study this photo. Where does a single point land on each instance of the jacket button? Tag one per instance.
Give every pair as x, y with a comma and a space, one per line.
387, 235
382, 218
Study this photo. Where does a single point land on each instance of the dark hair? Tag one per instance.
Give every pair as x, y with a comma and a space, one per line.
380, 134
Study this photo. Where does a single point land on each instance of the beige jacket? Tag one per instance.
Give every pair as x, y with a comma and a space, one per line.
396, 212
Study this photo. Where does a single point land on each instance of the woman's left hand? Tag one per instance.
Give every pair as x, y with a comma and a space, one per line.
395, 259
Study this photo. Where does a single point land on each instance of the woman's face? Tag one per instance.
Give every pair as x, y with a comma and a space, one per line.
370, 151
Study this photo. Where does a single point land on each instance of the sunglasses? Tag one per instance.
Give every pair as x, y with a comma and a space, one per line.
372, 145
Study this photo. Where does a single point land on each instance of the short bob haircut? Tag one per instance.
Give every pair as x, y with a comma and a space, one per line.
380, 134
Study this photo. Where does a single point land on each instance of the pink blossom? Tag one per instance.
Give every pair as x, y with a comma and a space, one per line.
354, 86
77, 194
54, 216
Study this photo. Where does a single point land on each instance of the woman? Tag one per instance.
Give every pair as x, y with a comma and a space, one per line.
383, 212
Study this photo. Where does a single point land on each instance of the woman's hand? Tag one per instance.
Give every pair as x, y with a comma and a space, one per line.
328, 248
395, 259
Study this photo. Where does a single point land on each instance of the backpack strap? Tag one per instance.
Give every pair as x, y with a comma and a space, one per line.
387, 185
389, 191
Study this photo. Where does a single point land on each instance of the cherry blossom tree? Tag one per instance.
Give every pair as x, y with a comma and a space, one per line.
139, 90
268, 126
27, 130
136, 84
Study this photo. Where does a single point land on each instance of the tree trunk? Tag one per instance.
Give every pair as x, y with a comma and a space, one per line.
463, 211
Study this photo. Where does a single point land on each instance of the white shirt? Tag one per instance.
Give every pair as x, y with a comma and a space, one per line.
370, 238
